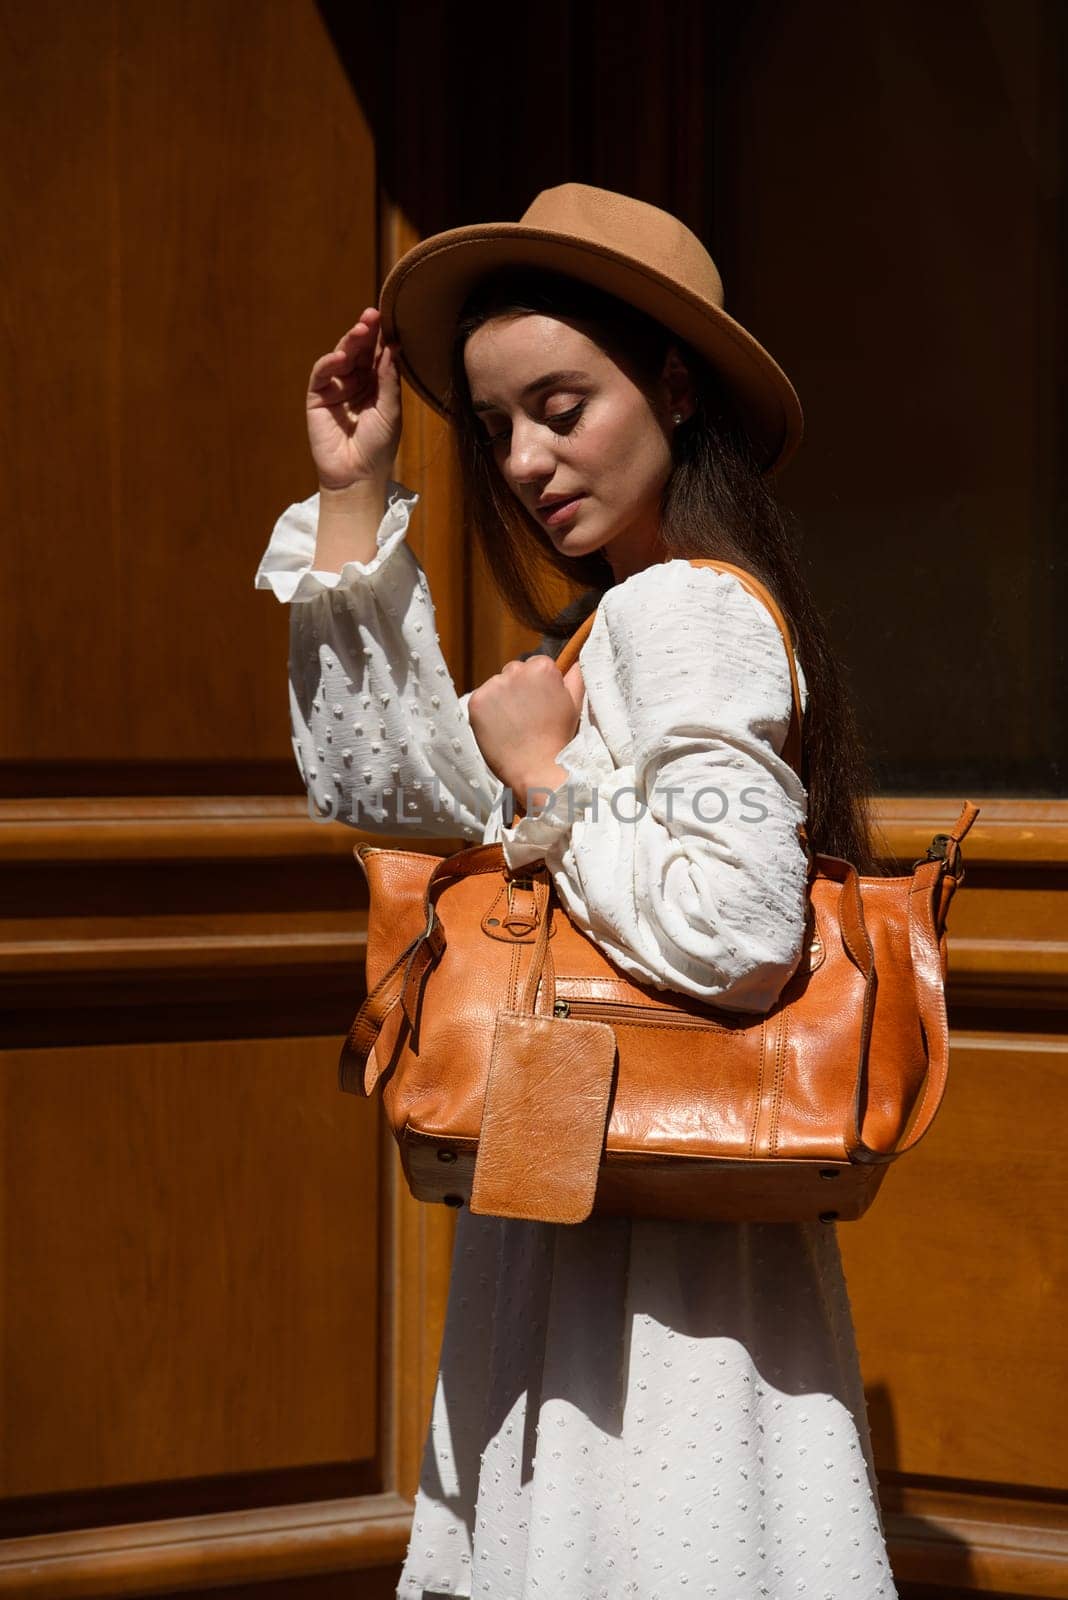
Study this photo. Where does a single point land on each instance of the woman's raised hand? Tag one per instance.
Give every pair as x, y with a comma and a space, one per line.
354, 408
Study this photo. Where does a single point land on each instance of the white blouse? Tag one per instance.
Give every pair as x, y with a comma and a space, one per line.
627, 1408
673, 844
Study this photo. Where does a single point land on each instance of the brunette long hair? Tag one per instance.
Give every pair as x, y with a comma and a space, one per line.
716, 503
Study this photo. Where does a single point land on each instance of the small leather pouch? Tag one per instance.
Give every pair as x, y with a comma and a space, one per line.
544, 1118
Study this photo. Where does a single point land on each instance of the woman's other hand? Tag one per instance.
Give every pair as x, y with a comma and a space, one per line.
354, 408
522, 717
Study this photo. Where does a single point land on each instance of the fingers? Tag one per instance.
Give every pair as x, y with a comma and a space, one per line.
360, 341
353, 352
354, 361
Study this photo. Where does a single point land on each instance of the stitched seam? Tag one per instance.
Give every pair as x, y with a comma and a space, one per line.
780, 1073
759, 1090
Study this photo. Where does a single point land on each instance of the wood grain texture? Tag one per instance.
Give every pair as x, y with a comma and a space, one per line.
958, 1272
199, 1553
191, 1260
197, 201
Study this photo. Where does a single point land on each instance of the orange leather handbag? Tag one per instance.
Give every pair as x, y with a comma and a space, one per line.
527, 1076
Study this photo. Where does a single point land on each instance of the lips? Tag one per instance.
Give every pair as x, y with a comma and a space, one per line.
549, 509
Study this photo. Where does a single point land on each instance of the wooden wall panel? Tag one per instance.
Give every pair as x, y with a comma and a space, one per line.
959, 1272
191, 1272
196, 190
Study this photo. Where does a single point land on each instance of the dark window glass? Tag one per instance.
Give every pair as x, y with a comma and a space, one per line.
890, 222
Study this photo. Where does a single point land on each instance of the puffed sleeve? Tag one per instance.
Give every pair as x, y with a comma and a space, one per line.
381, 738
680, 856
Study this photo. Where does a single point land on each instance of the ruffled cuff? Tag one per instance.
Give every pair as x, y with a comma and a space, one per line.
544, 829
286, 567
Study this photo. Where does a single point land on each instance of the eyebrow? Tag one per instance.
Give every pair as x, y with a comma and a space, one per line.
551, 380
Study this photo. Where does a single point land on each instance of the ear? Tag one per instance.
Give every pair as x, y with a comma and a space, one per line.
677, 386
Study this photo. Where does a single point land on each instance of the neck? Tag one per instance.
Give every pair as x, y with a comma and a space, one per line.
634, 550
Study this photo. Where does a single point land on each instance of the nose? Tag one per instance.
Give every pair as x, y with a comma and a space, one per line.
530, 453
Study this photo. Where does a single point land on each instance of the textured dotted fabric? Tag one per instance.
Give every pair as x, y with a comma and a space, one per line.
649, 1409
627, 1407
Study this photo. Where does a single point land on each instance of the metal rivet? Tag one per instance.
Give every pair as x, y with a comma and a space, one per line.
454, 1200
829, 1172
448, 1156
828, 1216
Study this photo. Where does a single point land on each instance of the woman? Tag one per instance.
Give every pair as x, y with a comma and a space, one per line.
627, 1407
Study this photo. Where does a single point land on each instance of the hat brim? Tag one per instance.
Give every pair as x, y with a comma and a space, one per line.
424, 292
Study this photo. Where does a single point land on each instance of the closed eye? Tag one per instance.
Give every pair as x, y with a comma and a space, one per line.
566, 421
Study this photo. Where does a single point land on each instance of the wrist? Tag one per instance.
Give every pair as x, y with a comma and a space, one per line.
357, 496
534, 791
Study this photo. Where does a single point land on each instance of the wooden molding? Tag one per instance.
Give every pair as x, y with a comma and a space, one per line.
971, 1543
265, 828
1008, 833
201, 1552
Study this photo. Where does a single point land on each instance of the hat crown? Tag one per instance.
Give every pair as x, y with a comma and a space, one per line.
633, 227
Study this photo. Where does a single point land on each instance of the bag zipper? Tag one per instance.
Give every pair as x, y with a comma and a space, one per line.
624, 1011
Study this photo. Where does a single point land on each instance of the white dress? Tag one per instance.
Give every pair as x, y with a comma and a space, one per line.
627, 1407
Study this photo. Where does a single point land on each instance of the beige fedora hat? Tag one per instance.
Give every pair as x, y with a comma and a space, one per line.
634, 250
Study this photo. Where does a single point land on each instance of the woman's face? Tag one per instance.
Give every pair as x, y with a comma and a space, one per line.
565, 421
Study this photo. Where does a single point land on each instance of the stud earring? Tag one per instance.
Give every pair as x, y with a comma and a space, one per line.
677, 418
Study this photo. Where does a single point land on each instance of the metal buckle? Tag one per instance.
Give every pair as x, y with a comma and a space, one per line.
939, 850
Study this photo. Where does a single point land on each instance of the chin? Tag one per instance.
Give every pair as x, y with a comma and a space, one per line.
583, 541
578, 546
